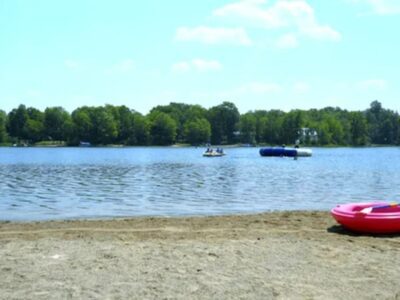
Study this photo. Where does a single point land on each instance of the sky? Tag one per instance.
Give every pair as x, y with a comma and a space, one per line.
258, 54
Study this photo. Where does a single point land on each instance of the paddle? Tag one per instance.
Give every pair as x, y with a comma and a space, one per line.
368, 210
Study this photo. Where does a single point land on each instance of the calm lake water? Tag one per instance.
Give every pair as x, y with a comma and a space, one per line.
61, 183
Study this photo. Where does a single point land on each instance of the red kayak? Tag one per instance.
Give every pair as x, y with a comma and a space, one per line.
373, 217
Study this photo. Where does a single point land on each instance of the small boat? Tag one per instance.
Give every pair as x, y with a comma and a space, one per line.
84, 144
375, 217
214, 153
285, 151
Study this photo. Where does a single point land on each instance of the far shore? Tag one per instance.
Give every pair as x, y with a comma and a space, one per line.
277, 255
188, 146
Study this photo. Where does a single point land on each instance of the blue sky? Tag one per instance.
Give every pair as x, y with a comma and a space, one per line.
259, 54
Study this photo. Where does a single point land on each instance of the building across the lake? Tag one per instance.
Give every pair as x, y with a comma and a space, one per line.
308, 135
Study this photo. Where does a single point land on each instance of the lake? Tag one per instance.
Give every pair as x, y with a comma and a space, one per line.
65, 183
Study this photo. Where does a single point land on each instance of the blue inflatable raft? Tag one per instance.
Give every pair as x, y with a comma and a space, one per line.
285, 151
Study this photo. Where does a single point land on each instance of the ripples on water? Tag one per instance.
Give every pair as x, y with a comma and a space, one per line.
42, 183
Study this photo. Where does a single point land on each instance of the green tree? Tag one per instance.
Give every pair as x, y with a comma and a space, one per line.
259, 115
3, 130
124, 120
359, 129
291, 125
34, 130
179, 112
197, 131
104, 128
195, 112
324, 134
224, 120
383, 124
25, 124
163, 128
82, 125
248, 128
336, 130
16, 123
193, 123
375, 119
34, 127
57, 123
141, 127
270, 125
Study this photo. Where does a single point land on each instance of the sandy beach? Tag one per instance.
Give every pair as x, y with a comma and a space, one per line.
285, 255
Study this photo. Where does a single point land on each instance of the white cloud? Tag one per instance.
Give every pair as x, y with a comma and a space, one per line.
197, 64
250, 12
320, 32
258, 88
71, 64
253, 90
301, 87
181, 67
293, 14
123, 66
287, 41
206, 65
210, 35
34, 93
379, 84
381, 7
376, 84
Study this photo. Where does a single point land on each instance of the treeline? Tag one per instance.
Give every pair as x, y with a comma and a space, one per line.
195, 125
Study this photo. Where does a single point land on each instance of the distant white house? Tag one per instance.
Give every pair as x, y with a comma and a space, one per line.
308, 135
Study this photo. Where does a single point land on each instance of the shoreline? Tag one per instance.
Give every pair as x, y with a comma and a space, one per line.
191, 146
275, 255
155, 218
203, 220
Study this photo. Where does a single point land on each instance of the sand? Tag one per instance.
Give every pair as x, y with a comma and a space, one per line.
286, 255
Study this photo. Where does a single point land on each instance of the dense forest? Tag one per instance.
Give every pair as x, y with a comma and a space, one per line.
195, 125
